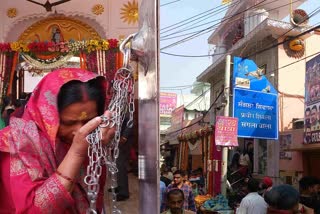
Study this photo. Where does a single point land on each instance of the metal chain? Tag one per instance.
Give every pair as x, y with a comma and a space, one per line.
96, 154
121, 103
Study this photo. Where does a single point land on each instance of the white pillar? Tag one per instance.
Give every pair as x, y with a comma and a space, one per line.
224, 163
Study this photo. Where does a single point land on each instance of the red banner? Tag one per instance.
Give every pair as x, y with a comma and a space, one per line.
226, 131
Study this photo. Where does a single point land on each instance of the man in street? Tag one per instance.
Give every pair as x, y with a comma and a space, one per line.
175, 201
188, 202
308, 187
265, 185
162, 192
164, 177
253, 203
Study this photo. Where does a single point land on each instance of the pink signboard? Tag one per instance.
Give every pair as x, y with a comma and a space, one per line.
226, 131
168, 102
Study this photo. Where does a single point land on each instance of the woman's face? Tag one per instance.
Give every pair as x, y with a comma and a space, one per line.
73, 117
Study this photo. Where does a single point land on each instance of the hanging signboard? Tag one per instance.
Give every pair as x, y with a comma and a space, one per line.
257, 113
312, 101
255, 101
168, 102
226, 131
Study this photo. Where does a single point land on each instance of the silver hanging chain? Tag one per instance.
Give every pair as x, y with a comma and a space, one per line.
122, 103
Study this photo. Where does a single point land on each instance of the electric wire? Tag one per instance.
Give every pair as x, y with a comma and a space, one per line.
191, 37
169, 3
199, 97
177, 87
253, 54
163, 38
271, 71
202, 117
215, 101
208, 29
314, 13
180, 55
221, 20
282, 42
185, 20
197, 34
297, 96
292, 63
174, 89
202, 17
182, 86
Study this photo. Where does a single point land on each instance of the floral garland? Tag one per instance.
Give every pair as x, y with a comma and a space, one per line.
49, 53
62, 47
45, 56
44, 66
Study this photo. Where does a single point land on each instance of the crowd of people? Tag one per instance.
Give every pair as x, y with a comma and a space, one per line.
256, 196
179, 184
263, 198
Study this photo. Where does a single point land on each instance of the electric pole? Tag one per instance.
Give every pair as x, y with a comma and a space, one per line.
224, 166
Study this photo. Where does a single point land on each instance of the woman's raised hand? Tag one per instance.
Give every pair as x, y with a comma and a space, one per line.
80, 144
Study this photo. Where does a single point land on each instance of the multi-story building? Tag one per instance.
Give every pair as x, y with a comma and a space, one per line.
256, 30
188, 107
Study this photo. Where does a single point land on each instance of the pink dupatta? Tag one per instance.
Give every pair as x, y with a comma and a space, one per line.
30, 154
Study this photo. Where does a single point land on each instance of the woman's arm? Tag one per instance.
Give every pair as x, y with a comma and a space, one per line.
70, 166
68, 169
33, 194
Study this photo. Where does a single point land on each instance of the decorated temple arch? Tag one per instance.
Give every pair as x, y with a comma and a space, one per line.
34, 43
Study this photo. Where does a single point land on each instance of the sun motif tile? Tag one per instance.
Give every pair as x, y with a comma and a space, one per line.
129, 12
98, 9
12, 12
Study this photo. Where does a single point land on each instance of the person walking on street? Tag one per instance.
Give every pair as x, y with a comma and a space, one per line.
308, 193
265, 185
253, 203
284, 199
189, 202
175, 199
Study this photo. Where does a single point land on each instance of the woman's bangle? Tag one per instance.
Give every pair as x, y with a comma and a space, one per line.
65, 177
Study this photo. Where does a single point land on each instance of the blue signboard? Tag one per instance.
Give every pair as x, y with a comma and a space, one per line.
246, 74
255, 101
257, 113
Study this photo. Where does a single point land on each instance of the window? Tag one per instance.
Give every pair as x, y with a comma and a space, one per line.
263, 69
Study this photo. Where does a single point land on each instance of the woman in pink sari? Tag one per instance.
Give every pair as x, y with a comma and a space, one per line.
43, 154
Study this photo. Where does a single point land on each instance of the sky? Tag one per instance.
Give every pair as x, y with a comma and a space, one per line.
180, 71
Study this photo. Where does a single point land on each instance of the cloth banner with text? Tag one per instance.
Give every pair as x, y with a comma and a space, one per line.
226, 131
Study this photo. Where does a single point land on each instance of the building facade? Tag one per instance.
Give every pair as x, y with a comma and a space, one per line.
260, 35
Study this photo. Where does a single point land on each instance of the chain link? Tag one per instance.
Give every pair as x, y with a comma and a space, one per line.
99, 154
